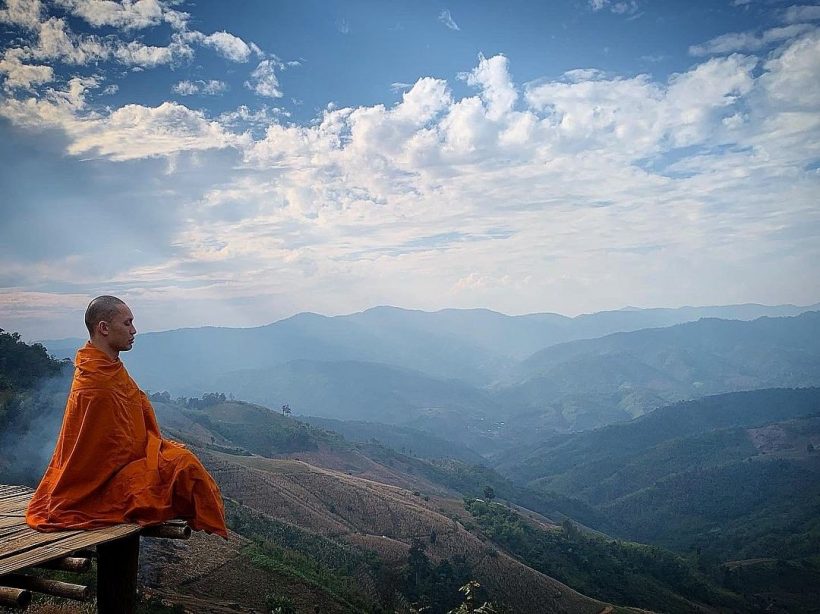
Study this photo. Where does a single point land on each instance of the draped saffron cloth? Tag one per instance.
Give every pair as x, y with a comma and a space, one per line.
111, 464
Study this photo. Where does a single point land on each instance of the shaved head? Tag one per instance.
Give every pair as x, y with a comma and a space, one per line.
101, 309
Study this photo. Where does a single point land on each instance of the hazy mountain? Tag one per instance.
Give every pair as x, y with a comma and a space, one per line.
355, 391
477, 346
588, 383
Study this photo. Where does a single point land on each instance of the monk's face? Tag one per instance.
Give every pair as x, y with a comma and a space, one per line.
121, 330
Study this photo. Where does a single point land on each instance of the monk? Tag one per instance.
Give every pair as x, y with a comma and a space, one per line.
111, 464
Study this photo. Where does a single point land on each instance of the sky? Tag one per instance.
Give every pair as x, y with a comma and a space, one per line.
231, 164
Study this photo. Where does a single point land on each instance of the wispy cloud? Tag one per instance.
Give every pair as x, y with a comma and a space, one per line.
447, 19
748, 41
619, 7
263, 79
211, 87
801, 13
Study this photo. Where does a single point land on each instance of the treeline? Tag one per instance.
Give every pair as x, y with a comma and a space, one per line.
610, 570
22, 365
206, 400
33, 391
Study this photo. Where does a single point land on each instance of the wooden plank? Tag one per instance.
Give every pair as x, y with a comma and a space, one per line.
21, 546
4, 489
28, 540
14, 493
8, 532
76, 540
11, 521
13, 506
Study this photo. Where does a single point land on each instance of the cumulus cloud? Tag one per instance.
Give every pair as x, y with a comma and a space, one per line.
497, 89
24, 13
129, 132
20, 75
263, 79
461, 198
227, 45
447, 19
128, 14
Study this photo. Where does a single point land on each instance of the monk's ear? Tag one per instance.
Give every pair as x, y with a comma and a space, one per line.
102, 328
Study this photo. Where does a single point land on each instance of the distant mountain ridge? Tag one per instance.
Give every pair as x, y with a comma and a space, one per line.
477, 346
450, 373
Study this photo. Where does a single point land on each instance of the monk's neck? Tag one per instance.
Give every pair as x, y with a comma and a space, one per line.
114, 355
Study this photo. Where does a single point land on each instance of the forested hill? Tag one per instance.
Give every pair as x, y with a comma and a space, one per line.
23, 365
602, 446
731, 480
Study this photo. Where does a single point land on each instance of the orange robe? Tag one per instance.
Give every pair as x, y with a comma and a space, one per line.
111, 464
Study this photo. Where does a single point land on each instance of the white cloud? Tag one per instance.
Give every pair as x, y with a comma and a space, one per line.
263, 79
228, 46
17, 74
55, 41
589, 185
135, 53
129, 132
748, 41
497, 89
447, 19
792, 78
128, 14
211, 87
24, 13
801, 13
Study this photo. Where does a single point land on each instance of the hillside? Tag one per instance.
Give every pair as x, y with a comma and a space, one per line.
402, 438
374, 499
731, 480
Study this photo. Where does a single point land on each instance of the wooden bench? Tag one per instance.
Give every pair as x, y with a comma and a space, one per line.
116, 549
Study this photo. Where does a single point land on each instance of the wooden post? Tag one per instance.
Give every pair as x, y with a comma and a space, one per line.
73, 564
117, 563
14, 597
48, 586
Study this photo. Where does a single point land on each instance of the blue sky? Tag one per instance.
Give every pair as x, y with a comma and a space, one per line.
235, 163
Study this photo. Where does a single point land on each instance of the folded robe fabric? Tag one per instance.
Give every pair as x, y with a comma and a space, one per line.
111, 464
